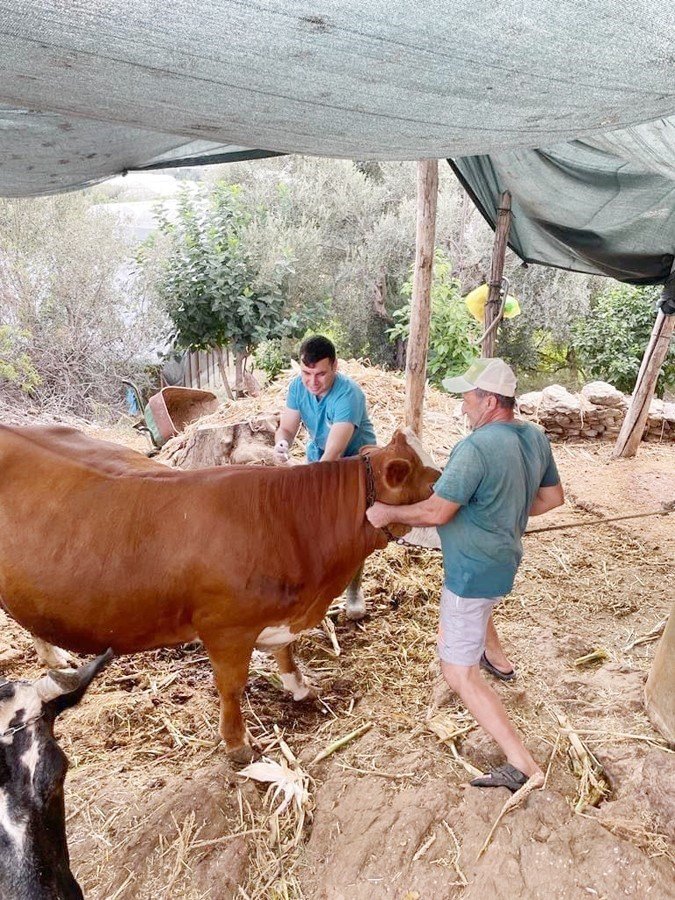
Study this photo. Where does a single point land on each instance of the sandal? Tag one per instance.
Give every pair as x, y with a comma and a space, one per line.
505, 776
493, 670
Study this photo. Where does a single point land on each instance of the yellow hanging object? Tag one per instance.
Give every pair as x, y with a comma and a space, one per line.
477, 298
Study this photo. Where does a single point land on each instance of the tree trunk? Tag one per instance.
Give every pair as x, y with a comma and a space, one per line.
418, 342
634, 424
239, 360
380, 296
492, 307
660, 687
223, 373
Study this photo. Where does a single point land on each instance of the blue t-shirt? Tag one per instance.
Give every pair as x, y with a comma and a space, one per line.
344, 402
494, 474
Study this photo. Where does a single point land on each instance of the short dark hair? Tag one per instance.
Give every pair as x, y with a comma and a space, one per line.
502, 400
314, 349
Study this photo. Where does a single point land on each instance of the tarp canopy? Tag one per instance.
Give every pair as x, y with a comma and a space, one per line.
91, 89
603, 205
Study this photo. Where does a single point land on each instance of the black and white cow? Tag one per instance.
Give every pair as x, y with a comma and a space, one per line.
34, 862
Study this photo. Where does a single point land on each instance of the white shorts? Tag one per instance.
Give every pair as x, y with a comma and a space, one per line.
462, 627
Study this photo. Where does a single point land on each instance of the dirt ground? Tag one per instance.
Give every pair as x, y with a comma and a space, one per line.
155, 811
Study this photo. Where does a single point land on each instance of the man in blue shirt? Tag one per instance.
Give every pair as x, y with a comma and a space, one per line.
332, 407
497, 477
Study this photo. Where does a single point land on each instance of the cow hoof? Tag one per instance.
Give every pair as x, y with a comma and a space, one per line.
356, 610
241, 756
306, 692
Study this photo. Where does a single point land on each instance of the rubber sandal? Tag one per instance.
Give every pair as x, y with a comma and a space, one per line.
505, 776
493, 670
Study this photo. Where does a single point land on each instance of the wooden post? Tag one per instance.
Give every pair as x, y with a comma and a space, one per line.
496, 272
660, 687
636, 417
416, 361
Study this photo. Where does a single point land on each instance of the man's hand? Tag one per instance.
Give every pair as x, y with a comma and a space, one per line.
380, 514
281, 454
434, 511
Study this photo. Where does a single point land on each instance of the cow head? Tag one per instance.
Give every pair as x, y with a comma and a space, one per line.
402, 471
34, 862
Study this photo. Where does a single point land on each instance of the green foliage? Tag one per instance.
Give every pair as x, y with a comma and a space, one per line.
16, 366
213, 291
453, 331
271, 358
65, 282
611, 341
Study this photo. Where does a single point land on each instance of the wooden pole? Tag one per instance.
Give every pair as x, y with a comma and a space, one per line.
496, 272
636, 417
660, 687
416, 358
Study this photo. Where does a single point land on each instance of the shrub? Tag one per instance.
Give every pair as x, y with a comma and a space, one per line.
453, 331
611, 341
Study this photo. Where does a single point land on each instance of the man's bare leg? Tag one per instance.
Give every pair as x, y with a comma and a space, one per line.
494, 650
488, 710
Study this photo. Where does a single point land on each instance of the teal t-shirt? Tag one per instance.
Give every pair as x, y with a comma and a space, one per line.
495, 474
344, 402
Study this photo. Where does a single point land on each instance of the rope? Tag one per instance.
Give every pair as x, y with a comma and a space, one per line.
656, 512
504, 291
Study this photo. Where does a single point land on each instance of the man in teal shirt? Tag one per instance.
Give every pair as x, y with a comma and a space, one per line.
332, 407
497, 477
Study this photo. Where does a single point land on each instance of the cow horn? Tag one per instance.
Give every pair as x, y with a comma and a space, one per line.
67, 681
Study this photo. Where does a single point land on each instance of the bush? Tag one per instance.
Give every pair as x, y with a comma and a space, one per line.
16, 366
453, 331
271, 358
611, 341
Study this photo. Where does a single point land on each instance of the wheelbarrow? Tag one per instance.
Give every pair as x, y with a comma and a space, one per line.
170, 410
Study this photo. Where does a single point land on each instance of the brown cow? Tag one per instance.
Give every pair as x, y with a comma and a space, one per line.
102, 547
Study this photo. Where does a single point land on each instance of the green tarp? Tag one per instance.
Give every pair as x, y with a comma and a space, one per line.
603, 205
91, 89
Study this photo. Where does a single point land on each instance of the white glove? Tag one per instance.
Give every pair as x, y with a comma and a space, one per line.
281, 451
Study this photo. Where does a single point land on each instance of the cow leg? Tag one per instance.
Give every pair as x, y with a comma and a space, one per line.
291, 676
230, 656
53, 657
355, 606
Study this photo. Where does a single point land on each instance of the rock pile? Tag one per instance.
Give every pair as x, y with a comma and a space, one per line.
596, 412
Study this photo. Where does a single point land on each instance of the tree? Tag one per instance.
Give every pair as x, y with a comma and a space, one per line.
75, 323
214, 294
611, 341
453, 332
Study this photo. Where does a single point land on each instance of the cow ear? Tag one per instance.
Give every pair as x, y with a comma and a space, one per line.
395, 472
431, 474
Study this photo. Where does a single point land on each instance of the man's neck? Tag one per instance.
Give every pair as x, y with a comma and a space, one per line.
501, 415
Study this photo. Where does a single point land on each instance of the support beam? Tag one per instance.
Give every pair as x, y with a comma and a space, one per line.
660, 687
636, 418
493, 304
418, 342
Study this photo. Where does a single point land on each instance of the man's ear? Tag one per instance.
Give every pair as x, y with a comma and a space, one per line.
395, 472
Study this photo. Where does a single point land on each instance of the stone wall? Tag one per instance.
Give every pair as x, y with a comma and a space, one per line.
596, 412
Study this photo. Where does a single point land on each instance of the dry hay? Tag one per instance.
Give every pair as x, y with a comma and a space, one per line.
154, 810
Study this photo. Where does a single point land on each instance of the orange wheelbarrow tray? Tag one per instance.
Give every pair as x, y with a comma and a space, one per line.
168, 412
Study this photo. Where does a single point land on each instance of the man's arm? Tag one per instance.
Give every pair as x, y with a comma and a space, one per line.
547, 498
288, 426
339, 436
434, 511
